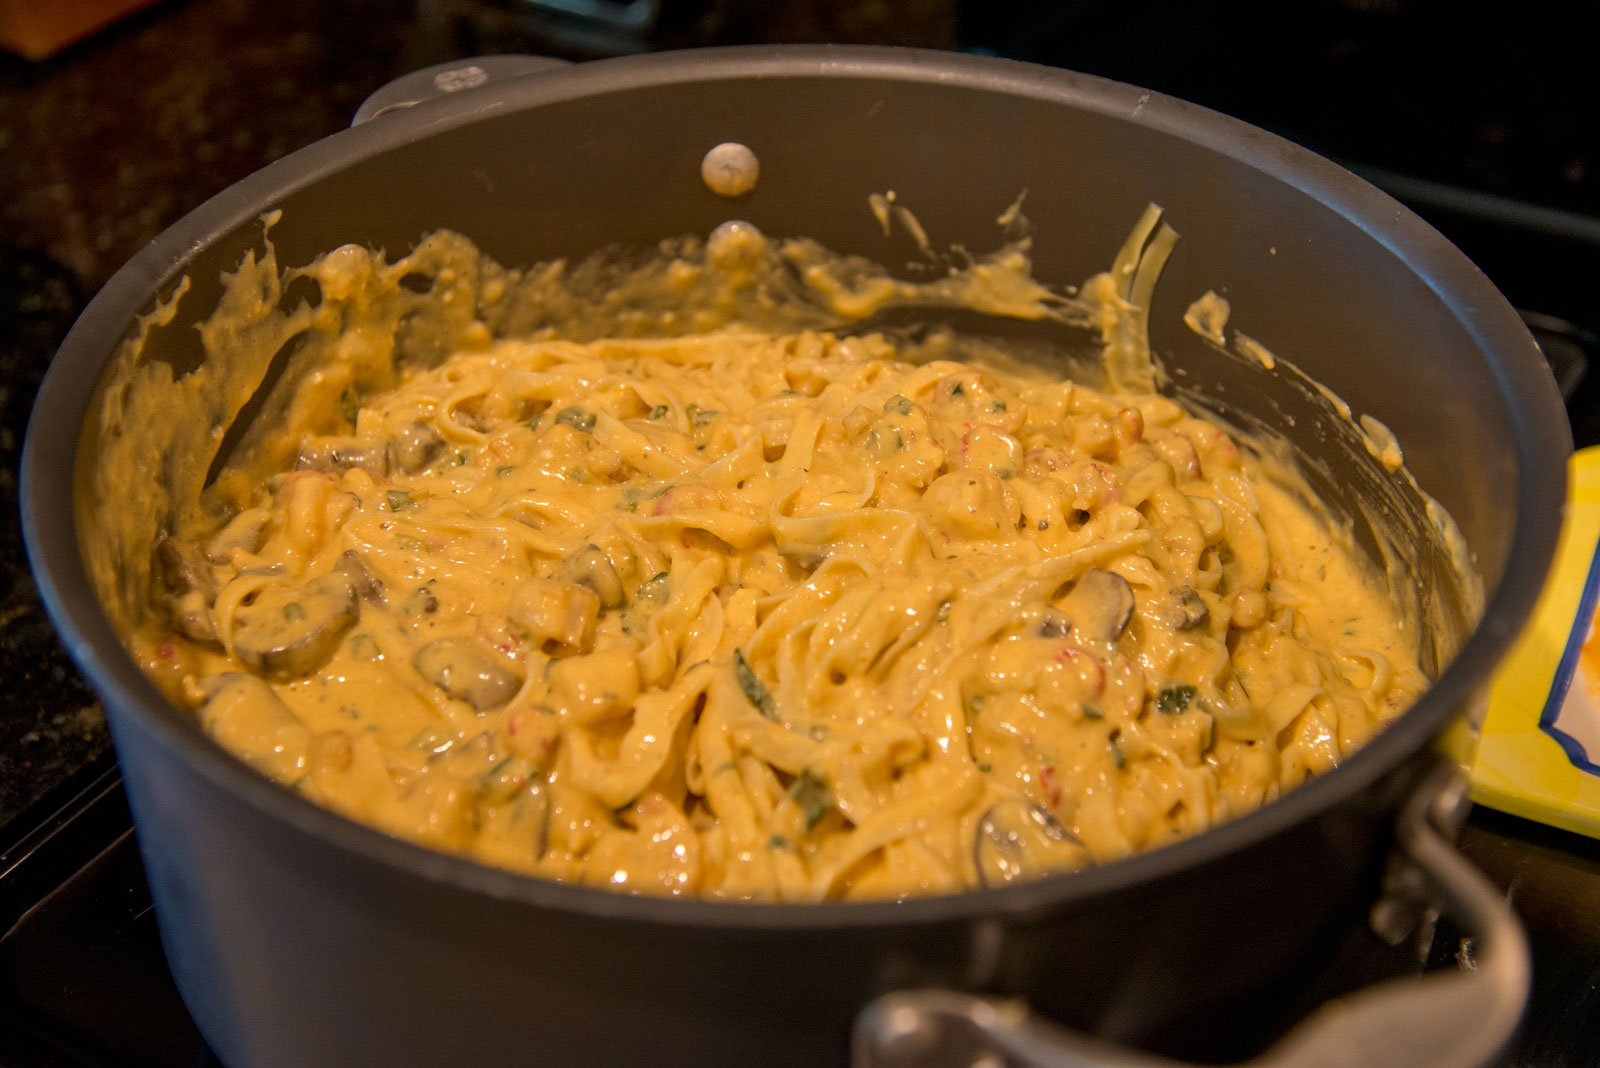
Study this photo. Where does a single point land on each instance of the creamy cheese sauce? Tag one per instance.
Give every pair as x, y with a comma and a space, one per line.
768, 614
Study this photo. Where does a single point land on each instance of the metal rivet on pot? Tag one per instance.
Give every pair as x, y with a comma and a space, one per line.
458, 78
730, 169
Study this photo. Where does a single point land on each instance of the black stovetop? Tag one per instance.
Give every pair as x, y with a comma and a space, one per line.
1485, 127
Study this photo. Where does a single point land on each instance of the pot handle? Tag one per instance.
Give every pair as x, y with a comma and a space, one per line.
1459, 1019
442, 79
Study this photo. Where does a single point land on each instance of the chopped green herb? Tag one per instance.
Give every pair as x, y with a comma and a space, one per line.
633, 496
898, 404
1174, 699
985, 767
294, 612
1006, 473
942, 616
872, 440
349, 405
576, 418
754, 691
533, 424
503, 779
899, 441
399, 500
813, 796
655, 588
997, 405
461, 457
1091, 712
1118, 757
780, 843
505, 470
410, 544
420, 601
959, 391
658, 411
365, 647
700, 416
972, 705
817, 731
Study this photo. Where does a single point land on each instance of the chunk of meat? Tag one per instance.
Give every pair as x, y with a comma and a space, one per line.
971, 504
554, 611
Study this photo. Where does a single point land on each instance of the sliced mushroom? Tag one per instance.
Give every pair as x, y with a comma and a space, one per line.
335, 455
353, 566
1053, 623
1016, 840
187, 591
291, 630
556, 611
591, 567
806, 557
181, 570
414, 447
457, 667
191, 617
246, 531
1100, 604
1184, 609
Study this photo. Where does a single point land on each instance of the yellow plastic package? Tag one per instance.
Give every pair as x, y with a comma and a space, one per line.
1538, 753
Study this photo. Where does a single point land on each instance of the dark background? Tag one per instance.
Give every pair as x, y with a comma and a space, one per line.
1483, 117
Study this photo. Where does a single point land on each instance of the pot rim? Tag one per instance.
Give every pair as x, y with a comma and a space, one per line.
1542, 442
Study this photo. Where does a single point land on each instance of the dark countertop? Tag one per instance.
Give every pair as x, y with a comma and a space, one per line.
104, 146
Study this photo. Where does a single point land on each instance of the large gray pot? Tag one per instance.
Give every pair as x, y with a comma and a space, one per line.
299, 939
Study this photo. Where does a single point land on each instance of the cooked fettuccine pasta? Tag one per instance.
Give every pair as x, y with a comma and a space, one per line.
779, 618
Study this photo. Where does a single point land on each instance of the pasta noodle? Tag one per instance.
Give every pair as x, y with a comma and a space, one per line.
781, 617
